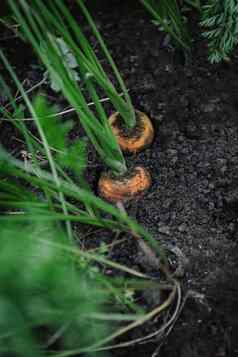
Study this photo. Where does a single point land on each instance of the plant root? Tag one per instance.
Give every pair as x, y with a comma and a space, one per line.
136, 139
124, 188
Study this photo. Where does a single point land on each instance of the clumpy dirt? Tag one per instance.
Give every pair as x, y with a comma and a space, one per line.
193, 203
194, 165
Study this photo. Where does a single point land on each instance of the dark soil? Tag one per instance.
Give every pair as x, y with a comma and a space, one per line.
193, 203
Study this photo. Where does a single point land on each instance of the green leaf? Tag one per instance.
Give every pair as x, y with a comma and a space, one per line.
69, 61
55, 130
75, 157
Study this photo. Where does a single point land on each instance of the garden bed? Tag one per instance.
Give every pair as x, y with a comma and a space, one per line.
193, 202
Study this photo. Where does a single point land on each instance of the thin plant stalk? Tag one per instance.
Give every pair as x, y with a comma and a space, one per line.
96, 126
168, 10
44, 141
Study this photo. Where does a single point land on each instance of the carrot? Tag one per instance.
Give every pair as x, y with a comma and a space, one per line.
136, 139
125, 187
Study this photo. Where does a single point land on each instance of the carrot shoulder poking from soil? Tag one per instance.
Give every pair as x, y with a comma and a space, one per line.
136, 139
126, 187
